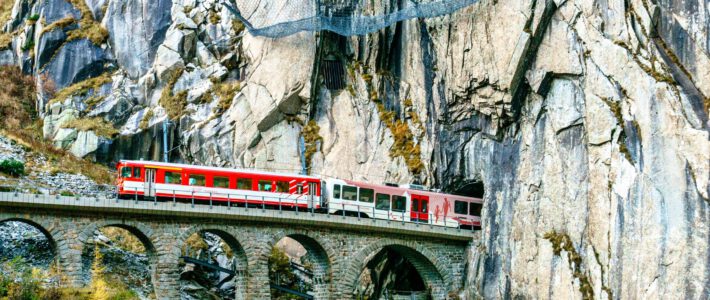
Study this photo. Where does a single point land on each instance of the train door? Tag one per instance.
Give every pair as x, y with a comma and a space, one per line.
312, 186
149, 183
420, 208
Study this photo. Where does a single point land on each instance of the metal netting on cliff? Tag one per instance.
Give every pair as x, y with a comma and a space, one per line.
279, 18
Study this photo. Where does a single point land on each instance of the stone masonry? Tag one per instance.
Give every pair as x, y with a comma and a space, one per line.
339, 254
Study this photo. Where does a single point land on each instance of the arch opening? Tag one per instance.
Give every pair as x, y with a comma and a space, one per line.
213, 265
118, 260
397, 271
299, 264
28, 259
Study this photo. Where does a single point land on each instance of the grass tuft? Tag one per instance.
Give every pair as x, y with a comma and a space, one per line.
88, 27
81, 88
174, 104
562, 242
98, 125
311, 138
61, 23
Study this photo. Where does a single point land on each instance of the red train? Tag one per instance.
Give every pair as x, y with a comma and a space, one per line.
146, 179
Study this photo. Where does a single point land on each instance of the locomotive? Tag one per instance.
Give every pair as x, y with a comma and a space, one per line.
238, 187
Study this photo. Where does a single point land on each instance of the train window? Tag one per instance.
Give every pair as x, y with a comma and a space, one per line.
244, 184
367, 195
460, 207
196, 180
136, 172
383, 202
399, 203
475, 209
349, 193
126, 172
299, 188
265, 185
336, 191
425, 206
173, 178
220, 182
415, 205
282, 186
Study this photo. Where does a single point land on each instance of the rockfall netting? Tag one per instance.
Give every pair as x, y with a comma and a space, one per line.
279, 18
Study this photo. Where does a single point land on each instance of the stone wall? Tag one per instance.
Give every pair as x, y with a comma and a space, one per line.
339, 255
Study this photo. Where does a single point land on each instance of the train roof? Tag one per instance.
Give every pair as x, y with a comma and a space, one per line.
219, 169
386, 188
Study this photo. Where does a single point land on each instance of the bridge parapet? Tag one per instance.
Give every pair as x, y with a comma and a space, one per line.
343, 245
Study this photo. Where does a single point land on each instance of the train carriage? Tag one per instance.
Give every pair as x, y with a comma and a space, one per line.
179, 181
401, 203
407, 203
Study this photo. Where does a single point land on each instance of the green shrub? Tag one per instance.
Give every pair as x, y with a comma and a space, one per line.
12, 167
66, 193
34, 17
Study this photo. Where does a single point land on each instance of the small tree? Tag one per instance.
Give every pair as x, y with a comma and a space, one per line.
12, 167
99, 287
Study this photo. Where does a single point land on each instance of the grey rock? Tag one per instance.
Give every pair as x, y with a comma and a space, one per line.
116, 108
64, 137
87, 142
55, 10
76, 61
136, 28
49, 42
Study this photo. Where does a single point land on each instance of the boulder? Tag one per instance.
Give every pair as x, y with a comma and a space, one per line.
86, 143
55, 10
64, 137
167, 61
53, 122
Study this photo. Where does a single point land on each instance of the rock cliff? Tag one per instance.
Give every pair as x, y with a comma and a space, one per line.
584, 124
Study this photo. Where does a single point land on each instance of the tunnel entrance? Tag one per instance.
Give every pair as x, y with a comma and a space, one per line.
470, 189
299, 268
117, 261
212, 265
390, 275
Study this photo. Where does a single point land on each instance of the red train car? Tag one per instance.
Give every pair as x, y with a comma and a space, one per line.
179, 181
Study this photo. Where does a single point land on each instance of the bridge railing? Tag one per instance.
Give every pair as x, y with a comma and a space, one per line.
109, 194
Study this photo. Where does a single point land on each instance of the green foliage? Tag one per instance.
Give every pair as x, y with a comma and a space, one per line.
280, 273
20, 281
33, 18
66, 193
12, 167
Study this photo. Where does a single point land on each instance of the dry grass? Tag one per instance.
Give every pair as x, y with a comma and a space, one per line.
16, 98
174, 104
145, 121
81, 88
237, 26
18, 124
64, 22
98, 125
226, 91
311, 138
562, 242
88, 27
215, 18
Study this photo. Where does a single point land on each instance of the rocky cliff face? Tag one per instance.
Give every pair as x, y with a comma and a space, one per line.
585, 122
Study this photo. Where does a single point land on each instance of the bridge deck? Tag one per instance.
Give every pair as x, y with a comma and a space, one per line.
186, 210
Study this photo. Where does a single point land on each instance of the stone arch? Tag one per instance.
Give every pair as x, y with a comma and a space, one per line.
320, 253
141, 231
52, 237
238, 249
430, 266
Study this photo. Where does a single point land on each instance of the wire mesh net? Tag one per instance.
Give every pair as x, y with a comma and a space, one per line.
279, 18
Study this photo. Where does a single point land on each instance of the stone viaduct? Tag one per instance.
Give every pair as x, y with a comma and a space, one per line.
340, 247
